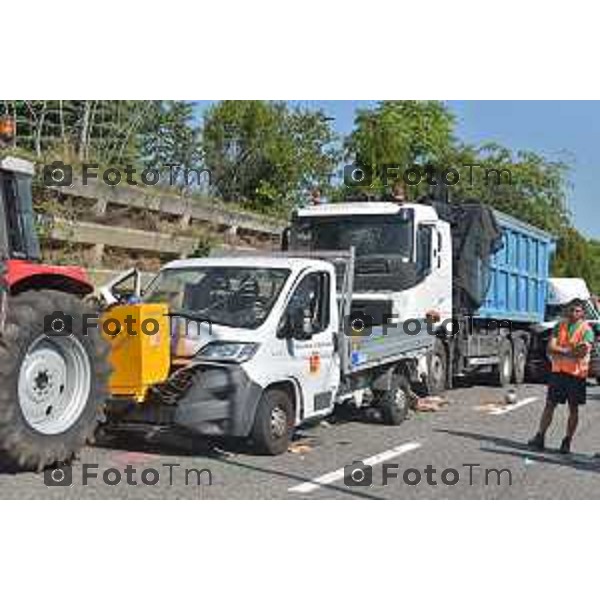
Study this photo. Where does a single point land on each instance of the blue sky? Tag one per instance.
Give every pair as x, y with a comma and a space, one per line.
566, 130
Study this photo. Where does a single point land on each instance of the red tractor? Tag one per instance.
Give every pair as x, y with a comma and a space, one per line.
53, 374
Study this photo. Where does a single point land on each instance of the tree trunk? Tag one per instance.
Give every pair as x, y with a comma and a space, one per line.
83, 134
38, 133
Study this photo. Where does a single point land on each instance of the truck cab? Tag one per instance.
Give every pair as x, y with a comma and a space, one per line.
403, 252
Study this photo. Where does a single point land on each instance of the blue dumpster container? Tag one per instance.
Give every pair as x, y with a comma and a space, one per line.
519, 273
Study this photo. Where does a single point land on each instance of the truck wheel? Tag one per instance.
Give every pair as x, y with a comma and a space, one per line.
502, 372
273, 422
519, 361
394, 405
53, 386
438, 369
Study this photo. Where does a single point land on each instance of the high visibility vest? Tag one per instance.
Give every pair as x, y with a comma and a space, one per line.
571, 365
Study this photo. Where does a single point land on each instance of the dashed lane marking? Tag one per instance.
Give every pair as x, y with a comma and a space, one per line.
329, 478
501, 410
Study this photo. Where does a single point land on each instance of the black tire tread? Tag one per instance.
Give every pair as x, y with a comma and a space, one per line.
261, 430
518, 345
497, 371
436, 390
19, 444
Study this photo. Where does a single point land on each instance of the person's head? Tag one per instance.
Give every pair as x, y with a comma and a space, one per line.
576, 310
398, 191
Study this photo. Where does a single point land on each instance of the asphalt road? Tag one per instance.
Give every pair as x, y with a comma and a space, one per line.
475, 428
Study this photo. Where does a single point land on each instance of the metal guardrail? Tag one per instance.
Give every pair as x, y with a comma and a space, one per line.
120, 237
174, 205
186, 209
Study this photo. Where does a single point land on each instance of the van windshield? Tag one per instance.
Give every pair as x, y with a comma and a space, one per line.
232, 296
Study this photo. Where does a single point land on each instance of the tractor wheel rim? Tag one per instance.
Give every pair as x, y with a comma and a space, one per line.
54, 383
278, 421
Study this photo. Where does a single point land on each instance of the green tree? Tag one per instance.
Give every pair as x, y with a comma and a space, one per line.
266, 154
573, 257
523, 184
403, 133
106, 131
169, 136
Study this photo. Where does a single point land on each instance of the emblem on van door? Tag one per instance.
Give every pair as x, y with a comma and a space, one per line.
314, 363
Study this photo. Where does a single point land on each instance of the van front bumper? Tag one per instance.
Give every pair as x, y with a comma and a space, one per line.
222, 400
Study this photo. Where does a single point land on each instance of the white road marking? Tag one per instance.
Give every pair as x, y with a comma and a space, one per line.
510, 407
328, 478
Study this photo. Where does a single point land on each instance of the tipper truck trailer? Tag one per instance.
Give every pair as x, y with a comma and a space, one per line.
477, 276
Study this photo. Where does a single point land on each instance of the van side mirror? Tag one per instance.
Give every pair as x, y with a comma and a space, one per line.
122, 289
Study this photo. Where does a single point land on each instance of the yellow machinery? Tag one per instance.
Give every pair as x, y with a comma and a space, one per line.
139, 336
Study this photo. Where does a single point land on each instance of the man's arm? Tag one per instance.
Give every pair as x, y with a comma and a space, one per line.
586, 346
554, 347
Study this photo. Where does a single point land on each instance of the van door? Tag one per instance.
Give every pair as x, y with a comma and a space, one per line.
310, 351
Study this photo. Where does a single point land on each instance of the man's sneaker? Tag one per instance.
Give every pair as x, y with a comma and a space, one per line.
565, 446
537, 442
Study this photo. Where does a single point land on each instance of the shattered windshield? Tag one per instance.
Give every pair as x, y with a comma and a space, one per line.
232, 296
369, 234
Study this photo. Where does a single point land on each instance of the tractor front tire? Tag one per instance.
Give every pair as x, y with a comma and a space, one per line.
53, 387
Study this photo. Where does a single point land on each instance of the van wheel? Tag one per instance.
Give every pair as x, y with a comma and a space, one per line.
394, 405
519, 361
502, 372
273, 423
438, 369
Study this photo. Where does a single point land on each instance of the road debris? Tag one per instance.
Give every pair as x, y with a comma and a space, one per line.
300, 447
430, 404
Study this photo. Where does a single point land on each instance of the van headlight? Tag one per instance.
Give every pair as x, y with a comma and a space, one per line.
233, 351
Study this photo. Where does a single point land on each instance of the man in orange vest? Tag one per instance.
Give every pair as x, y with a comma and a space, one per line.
569, 351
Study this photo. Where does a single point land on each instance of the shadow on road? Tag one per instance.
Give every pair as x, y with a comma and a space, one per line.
218, 449
508, 447
594, 395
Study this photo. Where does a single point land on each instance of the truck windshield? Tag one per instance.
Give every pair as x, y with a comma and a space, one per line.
232, 296
369, 234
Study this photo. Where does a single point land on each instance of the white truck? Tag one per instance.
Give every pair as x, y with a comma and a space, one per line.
561, 290
261, 344
478, 276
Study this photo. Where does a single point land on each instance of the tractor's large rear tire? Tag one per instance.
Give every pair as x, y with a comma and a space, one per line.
53, 387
